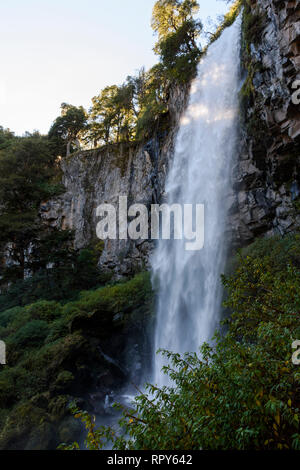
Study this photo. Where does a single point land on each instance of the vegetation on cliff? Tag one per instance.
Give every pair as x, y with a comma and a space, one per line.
37, 261
51, 330
53, 357
137, 108
134, 110
29, 174
242, 393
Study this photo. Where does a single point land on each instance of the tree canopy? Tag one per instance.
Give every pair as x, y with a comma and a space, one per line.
170, 15
132, 110
68, 126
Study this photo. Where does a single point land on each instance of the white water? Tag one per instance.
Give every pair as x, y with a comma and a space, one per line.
190, 289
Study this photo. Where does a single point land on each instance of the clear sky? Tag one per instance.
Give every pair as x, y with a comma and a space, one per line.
55, 51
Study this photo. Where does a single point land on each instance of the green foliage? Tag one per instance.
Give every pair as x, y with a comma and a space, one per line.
25, 166
106, 116
93, 441
28, 171
177, 31
153, 102
116, 298
67, 128
118, 112
59, 329
138, 108
29, 425
30, 335
179, 53
8, 316
132, 111
228, 19
49, 346
6, 136
253, 22
58, 272
170, 15
243, 392
44, 310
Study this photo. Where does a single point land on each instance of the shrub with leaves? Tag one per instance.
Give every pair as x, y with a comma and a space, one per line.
242, 392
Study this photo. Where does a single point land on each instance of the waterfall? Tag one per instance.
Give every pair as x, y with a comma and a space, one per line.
190, 291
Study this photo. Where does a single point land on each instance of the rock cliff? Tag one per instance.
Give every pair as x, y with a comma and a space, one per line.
266, 177
100, 176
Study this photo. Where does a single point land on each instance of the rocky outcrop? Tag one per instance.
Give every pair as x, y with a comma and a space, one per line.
266, 178
95, 177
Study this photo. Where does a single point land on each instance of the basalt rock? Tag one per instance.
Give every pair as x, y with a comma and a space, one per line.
266, 178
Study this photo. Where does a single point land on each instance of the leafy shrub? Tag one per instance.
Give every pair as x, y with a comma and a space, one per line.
45, 358
8, 316
122, 297
244, 392
44, 310
32, 334
59, 329
7, 392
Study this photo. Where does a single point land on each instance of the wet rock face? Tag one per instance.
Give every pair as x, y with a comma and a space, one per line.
266, 178
96, 177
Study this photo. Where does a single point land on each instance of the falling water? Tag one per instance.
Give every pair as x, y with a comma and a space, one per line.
190, 290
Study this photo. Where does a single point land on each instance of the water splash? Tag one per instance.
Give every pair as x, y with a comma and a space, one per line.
190, 290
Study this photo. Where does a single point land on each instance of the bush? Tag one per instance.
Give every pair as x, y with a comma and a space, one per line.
33, 334
59, 329
243, 393
47, 357
8, 316
44, 310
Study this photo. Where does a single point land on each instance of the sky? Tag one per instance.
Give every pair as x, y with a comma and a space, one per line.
55, 51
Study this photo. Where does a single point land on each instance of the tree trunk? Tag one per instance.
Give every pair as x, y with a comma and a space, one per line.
68, 148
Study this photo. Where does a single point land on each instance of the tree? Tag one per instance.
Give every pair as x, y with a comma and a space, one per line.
124, 104
177, 31
179, 52
68, 127
6, 136
112, 116
27, 169
103, 116
153, 102
169, 15
132, 110
138, 86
